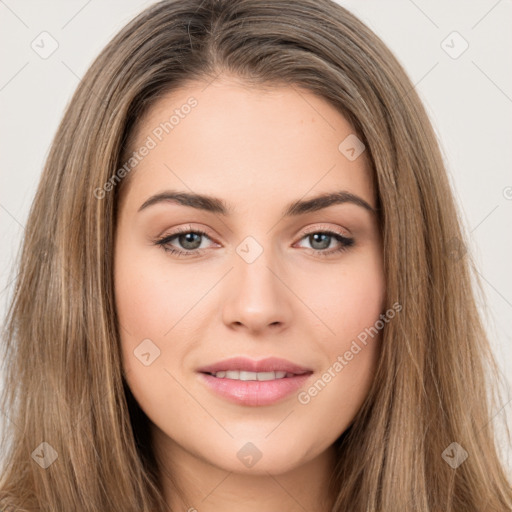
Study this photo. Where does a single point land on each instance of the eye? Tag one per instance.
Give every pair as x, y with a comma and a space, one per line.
191, 241
321, 240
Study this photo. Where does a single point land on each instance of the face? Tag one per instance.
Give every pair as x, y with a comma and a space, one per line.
255, 273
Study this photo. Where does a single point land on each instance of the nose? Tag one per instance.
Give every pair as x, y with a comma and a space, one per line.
255, 296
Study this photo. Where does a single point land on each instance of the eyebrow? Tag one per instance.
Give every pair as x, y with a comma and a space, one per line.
216, 205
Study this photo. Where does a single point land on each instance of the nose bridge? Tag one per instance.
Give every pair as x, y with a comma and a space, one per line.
256, 297
252, 268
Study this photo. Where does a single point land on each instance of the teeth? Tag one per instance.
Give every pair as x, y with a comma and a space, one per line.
243, 375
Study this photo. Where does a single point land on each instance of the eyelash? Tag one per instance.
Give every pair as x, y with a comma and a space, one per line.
163, 242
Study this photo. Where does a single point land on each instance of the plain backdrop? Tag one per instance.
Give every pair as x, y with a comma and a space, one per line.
458, 55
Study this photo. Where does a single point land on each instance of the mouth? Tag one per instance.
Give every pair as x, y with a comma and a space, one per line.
246, 375
245, 365
254, 383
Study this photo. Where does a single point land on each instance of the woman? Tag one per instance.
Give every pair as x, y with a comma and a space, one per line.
148, 372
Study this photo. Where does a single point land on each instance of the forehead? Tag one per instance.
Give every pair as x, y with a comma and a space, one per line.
230, 139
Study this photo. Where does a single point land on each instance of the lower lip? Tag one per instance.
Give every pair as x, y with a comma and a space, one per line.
254, 392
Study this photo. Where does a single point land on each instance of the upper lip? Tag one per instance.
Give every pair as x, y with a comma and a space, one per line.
270, 364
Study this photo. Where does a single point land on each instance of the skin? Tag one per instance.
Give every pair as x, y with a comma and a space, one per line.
258, 151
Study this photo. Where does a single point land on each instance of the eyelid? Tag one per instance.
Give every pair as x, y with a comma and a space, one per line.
314, 228
186, 229
324, 227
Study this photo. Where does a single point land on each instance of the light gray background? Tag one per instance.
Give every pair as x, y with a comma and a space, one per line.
469, 99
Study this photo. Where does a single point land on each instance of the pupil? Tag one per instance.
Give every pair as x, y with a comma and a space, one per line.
322, 245
188, 239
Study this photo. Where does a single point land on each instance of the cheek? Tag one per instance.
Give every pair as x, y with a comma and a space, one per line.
143, 305
351, 303
157, 306
149, 299
347, 300
149, 306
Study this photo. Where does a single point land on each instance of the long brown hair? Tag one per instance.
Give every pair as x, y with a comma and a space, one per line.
74, 437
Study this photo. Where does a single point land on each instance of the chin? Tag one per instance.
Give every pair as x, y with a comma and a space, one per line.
259, 458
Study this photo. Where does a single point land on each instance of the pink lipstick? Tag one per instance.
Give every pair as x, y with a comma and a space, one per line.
254, 383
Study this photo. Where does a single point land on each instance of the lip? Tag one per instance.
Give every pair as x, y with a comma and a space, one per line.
254, 392
269, 364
